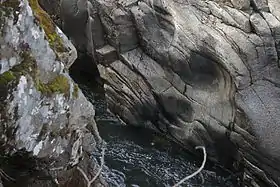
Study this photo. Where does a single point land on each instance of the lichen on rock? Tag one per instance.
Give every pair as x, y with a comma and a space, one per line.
60, 84
43, 114
49, 27
76, 91
7, 77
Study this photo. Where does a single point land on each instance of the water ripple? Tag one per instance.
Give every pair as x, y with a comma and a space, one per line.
134, 159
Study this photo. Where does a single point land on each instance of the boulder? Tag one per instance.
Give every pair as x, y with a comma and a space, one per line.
47, 124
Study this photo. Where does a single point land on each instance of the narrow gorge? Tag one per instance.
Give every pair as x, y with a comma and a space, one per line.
184, 72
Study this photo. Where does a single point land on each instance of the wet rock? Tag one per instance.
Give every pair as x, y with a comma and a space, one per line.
47, 125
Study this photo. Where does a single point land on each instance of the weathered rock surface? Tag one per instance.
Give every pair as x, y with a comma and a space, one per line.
203, 72
47, 125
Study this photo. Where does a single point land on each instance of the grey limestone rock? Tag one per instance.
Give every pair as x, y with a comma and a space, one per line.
241, 4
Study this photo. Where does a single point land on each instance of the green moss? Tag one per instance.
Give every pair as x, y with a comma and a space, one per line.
12, 6
7, 77
47, 24
28, 66
60, 84
75, 91
7, 81
10, 79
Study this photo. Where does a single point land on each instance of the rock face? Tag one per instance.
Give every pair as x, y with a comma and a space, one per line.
45, 119
202, 72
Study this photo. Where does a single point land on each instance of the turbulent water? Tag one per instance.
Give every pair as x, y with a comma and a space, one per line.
137, 160
140, 157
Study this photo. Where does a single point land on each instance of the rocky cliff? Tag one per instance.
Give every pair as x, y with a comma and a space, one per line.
47, 125
202, 72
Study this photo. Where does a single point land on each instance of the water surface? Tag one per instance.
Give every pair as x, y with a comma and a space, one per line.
140, 157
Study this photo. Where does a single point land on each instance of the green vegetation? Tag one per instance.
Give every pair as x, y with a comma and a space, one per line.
10, 79
28, 66
7, 77
49, 27
75, 91
6, 80
44, 20
60, 84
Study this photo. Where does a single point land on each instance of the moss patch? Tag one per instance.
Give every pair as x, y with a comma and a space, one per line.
8, 82
60, 84
75, 91
49, 27
7, 77
27, 66
13, 7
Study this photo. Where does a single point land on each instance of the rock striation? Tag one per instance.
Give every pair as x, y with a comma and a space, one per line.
47, 125
202, 72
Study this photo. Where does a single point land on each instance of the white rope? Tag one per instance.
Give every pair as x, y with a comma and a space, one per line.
198, 171
89, 182
6, 176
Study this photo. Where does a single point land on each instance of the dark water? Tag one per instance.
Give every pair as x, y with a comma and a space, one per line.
140, 157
